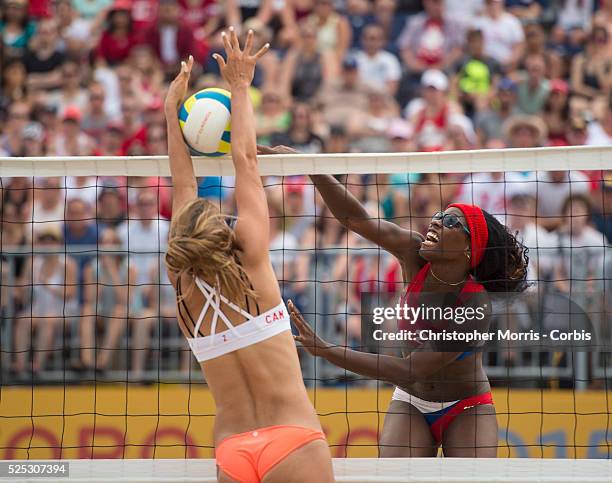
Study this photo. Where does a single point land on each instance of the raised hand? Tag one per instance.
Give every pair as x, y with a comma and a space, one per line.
178, 87
239, 68
307, 337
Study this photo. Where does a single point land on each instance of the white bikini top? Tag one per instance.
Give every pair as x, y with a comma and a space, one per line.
255, 329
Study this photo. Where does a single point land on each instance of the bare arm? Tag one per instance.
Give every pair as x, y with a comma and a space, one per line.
451, 58
265, 12
232, 13
184, 184
90, 288
395, 370
528, 13
399, 371
577, 77
288, 72
344, 39
411, 61
330, 67
604, 75
402, 243
517, 52
253, 217
47, 80
71, 278
290, 28
97, 27
211, 25
392, 87
132, 280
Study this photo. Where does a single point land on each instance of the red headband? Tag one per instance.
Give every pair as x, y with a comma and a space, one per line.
479, 233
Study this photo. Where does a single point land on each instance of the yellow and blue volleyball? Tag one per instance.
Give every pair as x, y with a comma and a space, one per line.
205, 121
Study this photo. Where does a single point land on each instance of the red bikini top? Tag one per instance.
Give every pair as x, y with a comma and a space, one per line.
414, 288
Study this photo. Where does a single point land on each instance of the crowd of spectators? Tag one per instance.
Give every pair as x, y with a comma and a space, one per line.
88, 77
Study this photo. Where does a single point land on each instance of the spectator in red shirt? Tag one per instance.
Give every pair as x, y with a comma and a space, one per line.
171, 39
119, 36
38, 8
144, 14
203, 15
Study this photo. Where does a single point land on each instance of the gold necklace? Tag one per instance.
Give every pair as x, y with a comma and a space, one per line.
444, 282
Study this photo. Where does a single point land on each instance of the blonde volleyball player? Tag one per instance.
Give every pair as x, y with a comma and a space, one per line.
230, 308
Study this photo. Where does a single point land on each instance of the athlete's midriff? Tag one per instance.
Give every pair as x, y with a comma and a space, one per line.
259, 386
457, 380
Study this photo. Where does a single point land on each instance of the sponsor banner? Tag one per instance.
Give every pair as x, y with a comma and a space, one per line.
176, 421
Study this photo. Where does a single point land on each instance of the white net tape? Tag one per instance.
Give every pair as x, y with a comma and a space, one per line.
489, 160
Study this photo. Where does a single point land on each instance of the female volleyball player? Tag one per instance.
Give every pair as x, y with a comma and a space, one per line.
230, 308
441, 398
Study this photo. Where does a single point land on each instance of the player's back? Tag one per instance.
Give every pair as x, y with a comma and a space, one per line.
247, 353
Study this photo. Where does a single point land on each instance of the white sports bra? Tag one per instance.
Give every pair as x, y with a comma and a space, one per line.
255, 329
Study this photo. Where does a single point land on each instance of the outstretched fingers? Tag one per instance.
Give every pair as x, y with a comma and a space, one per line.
262, 51
297, 322
186, 69
248, 45
220, 61
234, 39
298, 319
232, 44
226, 43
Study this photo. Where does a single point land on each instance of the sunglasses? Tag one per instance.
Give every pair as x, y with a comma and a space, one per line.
450, 220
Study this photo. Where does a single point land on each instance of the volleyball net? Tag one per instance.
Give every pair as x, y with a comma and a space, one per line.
93, 364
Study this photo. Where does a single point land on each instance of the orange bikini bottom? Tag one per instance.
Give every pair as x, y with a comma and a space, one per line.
247, 457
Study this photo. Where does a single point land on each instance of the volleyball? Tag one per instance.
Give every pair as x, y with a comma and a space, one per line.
205, 121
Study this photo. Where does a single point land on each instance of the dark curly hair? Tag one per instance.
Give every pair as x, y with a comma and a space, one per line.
504, 265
